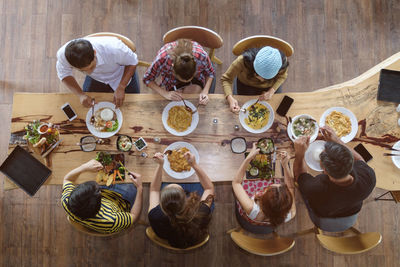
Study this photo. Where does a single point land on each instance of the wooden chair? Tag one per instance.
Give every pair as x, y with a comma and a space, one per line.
125, 40
88, 231
203, 36
358, 243
263, 247
260, 41
164, 243
395, 196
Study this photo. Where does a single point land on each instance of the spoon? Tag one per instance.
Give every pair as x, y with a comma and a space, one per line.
92, 120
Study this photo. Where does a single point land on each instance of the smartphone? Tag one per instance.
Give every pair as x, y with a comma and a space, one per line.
360, 149
69, 111
284, 105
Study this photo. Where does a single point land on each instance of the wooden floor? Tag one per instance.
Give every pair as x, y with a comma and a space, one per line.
334, 41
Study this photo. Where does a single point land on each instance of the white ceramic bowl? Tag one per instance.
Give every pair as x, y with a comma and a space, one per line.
98, 106
193, 125
243, 115
291, 131
167, 166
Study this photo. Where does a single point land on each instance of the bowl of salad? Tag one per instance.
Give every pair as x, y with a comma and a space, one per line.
303, 125
124, 143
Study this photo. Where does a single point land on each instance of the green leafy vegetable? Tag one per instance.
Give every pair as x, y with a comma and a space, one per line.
114, 127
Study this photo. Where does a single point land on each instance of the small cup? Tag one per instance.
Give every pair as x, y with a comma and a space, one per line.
140, 144
238, 145
88, 143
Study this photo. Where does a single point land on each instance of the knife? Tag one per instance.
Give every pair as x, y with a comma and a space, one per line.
51, 148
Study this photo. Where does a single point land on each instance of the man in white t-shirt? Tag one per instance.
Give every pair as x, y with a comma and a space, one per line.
109, 64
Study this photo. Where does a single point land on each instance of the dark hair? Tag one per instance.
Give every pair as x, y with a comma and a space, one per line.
85, 200
276, 203
337, 160
79, 53
250, 54
184, 63
189, 225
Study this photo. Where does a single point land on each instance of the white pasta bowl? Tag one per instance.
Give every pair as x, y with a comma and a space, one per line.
91, 127
244, 115
193, 125
167, 166
291, 130
354, 123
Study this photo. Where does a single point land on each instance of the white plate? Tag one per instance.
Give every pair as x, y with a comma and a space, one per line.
193, 125
352, 117
243, 115
396, 160
293, 137
93, 130
167, 166
309, 156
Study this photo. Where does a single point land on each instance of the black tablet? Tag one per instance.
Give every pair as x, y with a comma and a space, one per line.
25, 170
389, 86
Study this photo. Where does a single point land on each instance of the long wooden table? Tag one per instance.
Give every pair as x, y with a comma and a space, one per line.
142, 117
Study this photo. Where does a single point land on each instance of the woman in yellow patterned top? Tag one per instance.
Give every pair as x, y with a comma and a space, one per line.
105, 210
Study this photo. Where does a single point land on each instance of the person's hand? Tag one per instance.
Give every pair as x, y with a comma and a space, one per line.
159, 158
86, 100
92, 165
301, 144
136, 179
203, 99
283, 156
329, 134
266, 95
173, 95
233, 104
119, 96
253, 152
191, 159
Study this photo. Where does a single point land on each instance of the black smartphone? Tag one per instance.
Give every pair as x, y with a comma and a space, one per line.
69, 111
360, 149
284, 105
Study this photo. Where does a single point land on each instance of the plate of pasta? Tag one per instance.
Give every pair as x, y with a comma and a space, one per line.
108, 120
177, 120
257, 117
175, 164
342, 121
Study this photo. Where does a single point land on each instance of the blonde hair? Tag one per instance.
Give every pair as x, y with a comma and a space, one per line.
182, 56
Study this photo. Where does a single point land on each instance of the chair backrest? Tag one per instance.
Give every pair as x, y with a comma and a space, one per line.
339, 224
86, 230
263, 247
203, 36
124, 39
352, 244
164, 243
260, 41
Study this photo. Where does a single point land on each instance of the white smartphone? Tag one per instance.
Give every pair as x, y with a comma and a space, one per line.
69, 111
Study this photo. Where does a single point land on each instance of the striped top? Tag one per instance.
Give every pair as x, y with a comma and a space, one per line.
113, 215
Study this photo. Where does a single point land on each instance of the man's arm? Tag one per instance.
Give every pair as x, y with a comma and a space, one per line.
73, 85
300, 146
119, 94
92, 165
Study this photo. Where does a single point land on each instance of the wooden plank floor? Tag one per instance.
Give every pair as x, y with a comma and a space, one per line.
334, 41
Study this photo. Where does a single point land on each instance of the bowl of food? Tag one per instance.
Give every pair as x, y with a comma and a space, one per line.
303, 125
140, 144
342, 121
266, 146
256, 117
108, 120
124, 143
179, 121
175, 164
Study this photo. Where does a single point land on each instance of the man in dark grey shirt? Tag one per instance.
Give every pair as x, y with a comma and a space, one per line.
346, 180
